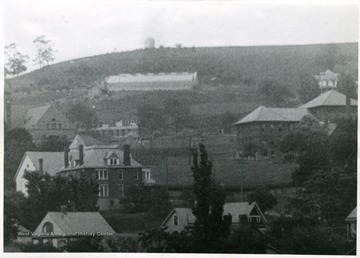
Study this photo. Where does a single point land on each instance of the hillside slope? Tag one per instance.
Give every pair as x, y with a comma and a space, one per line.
220, 65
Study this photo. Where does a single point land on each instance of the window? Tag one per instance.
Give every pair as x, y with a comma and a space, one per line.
176, 222
113, 161
59, 125
101, 174
103, 191
48, 228
121, 190
136, 175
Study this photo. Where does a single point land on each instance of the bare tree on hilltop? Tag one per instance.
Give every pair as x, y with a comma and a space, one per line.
44, 51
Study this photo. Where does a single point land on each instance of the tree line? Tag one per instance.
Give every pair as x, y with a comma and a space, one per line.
16, 60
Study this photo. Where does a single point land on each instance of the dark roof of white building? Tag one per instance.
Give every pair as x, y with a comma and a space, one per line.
52, 161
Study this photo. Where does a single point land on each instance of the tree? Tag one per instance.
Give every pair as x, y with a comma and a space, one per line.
274, 93
309, 144
151, 118
54, 143
227, 120
16, 142
308, 88
15, 61
81, 115
178, 112
329, 194
263, 198
304, 236
48, 193
210, 226
44, 51
153, 199
12, 209
347, 85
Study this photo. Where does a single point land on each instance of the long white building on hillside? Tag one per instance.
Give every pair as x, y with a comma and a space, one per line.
145, 82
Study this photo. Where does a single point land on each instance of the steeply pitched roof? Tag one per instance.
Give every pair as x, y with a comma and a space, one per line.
241, 208
329, 98
82, 222
161, 77
352, 215
52, 161
183, 213
34, 115
264, 114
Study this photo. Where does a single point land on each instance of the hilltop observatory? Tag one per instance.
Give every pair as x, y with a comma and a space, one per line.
150, 43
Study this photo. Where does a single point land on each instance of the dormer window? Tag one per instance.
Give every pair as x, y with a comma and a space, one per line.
112, 158
113, 161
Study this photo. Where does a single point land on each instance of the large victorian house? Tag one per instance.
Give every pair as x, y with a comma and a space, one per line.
114, 169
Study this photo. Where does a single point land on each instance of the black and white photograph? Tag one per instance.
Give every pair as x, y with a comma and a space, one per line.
188, 127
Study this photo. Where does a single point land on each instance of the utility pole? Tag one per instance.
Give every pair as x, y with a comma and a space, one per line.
242, 171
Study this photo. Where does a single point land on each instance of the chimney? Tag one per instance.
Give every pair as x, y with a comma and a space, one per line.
66, 156
63, 209
81, 154
127, 161
41, 165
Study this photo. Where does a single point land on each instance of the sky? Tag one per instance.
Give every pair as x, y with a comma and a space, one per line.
80, 28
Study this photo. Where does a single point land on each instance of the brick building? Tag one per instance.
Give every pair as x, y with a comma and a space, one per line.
48, 120
114, 169
264, 128
331, 105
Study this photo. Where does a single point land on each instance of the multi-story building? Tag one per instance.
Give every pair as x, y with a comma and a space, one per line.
262, 130
48, 120
331, 105
114, 169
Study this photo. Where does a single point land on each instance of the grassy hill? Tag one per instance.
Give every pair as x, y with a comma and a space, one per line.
221, 65
228, 78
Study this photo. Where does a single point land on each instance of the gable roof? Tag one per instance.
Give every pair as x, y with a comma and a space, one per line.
33, 115
329, 98
235, 209
52, 161
80, 222
265, 114
183, 213
241, 208
86, 140
352, 215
